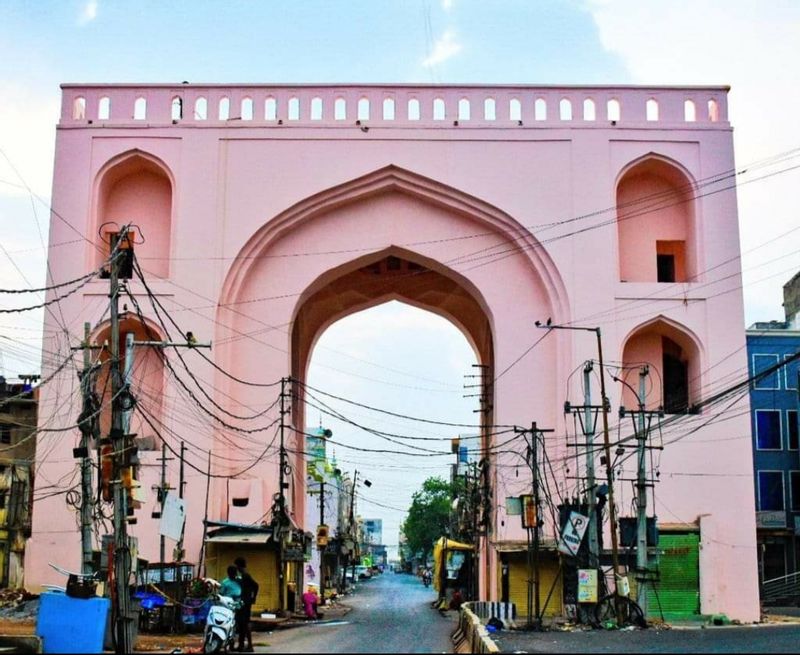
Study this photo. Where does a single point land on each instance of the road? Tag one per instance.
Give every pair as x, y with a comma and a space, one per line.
391, 614
749, 639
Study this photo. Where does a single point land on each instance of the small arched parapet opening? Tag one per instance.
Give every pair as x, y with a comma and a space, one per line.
135, 188
656, 222
673, 355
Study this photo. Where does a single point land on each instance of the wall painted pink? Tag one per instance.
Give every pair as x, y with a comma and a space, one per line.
250, 194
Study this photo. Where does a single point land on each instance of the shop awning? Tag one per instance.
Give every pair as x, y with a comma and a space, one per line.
239, 538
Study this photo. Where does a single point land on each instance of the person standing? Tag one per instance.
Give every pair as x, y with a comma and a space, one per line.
249, 594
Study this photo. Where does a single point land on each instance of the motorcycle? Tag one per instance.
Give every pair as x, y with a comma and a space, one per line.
426, 579
220, 630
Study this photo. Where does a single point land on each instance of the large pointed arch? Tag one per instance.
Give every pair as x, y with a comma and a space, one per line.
394, 178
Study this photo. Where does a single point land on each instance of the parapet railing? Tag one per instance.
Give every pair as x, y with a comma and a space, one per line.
395, 105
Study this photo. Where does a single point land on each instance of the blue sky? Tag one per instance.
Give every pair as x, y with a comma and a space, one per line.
752, 46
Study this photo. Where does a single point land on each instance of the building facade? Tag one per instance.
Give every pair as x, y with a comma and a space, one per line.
263, 214
18, 416
775, 401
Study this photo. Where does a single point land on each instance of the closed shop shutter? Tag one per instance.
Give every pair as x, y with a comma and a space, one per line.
518, 585
261, 564
677, 593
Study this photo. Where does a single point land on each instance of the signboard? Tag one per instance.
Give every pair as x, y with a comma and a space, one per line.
529, 512
587, 585
770, 519
172, 517
572, 534
513, 506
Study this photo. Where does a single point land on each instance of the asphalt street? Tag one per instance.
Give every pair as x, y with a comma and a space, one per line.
391, 614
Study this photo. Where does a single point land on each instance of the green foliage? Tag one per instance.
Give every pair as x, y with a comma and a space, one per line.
429, 515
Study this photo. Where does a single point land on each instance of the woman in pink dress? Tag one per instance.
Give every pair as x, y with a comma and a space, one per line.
310, 602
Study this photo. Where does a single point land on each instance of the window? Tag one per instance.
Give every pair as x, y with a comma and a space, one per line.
689, 111
247, 109
177, 108
294, 109
270, 109
515, 110
770, 491
413, 109
316, 109
224, 109
565, 110
794, 488
651, 109
363, 109
540, 109
5, 433
463, 109
388, 109
339, 109
671, 261
140, 109
200, 109
792, 429
438, 109
713, 111
104, 108
666, 268
675, 369
773, 560
614, 110
489, 110
762, 363
79, 109
589, 113
791, 372
768, 429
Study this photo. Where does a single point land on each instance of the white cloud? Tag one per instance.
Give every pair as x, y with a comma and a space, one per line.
445, 47
754, 48
88, 13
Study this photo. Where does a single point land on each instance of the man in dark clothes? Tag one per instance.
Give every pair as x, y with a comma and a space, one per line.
249, 593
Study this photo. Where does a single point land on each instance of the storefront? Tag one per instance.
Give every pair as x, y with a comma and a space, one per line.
515, 572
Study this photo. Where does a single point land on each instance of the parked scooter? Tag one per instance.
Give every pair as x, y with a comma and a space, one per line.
220, 631
426, 578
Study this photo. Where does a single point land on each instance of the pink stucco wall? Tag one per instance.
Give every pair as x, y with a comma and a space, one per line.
249, 195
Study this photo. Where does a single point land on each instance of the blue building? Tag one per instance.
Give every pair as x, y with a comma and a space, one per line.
775, 400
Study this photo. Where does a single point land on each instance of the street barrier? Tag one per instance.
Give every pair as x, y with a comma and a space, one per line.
471, 635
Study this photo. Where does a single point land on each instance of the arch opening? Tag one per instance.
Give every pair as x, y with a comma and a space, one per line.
656, 223
136, 190
672, 356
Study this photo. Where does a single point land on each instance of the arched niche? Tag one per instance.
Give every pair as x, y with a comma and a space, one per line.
137, 189
673, 356
656, 222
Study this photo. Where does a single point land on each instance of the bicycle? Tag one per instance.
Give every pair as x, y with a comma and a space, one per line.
630, 613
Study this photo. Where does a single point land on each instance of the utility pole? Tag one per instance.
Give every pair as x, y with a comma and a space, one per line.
87, 430
588, 429
162, 495
353, 530
122, 559
280, 519
178, 554
612, 509
534, 621
322, 550
641, 496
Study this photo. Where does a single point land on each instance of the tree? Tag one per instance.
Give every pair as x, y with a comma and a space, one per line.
429, 516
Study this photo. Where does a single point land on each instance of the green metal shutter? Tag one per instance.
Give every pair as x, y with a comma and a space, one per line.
678, 591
